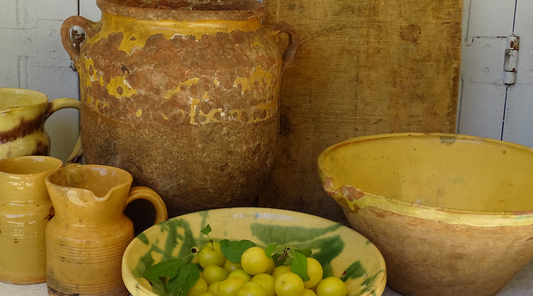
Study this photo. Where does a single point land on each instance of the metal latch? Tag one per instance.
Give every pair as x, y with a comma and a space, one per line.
511, 59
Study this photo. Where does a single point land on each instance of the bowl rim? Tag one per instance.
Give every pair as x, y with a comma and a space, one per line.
353, 199
133, 285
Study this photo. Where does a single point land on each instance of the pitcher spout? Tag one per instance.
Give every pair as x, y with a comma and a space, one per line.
89, 192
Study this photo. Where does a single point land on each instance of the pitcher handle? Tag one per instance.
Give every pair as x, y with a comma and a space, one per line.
63, 103
73, 46
141, 192
294, 43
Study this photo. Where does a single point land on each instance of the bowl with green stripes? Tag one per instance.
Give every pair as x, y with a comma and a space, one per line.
343, 252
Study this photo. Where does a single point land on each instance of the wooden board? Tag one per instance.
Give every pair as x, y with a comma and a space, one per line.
364, 67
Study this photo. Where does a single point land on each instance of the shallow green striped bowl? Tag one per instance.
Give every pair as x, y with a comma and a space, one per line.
342, 252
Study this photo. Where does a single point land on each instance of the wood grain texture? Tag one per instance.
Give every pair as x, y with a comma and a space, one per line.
364, 67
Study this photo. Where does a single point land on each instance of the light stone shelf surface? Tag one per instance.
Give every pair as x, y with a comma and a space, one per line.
520, 285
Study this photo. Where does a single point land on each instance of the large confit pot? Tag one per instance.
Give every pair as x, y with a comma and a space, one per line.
184, 95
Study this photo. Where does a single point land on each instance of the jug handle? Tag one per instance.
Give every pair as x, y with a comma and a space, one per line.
72, 49
294, 43
63, 103
141, 192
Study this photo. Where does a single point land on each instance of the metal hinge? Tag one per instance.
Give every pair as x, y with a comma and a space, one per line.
511, 59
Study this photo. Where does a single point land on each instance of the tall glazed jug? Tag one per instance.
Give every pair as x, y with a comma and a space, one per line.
25, 209
183, 95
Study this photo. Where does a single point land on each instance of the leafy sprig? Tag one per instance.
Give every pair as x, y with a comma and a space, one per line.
175, 277
288, 256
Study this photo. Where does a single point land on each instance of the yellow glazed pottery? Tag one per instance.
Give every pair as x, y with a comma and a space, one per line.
25, 209
22, 116
87, 237
452, 214
339, 249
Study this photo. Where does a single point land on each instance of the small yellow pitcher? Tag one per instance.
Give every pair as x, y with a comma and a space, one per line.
87, 237
25, 209
22, 116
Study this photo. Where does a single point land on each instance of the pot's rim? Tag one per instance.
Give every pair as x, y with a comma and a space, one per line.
184, 10
39, 99
354, 199
29, 166
122, 178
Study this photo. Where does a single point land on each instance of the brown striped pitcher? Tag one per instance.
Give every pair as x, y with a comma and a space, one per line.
23, 113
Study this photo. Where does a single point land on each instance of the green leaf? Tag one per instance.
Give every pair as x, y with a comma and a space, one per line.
169, 268
277, 259
306, 252
187, 277
206, 230
159, 289
270, 249
299, 265
233, 250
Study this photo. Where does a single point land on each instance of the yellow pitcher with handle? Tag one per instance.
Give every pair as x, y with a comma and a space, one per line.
89, 233
23, 113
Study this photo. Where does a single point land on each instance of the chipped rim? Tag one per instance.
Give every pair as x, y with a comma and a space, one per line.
29, 160
28, 92
352, 199
76, 168
249, 9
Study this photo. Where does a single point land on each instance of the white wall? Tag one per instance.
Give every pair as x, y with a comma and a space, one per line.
32, 57
89, 10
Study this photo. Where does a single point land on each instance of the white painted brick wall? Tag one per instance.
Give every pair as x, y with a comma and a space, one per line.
32, 57
89, 10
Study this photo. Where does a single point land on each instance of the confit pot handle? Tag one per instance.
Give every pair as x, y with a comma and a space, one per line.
142, 192
294, 43
72, 44
63, 103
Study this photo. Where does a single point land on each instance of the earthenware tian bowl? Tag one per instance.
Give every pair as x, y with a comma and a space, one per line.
337, 247
451, 214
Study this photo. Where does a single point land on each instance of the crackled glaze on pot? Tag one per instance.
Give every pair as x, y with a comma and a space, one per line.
87, 237
185, 100
452, 214
339, 249
22, 117
25, 209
